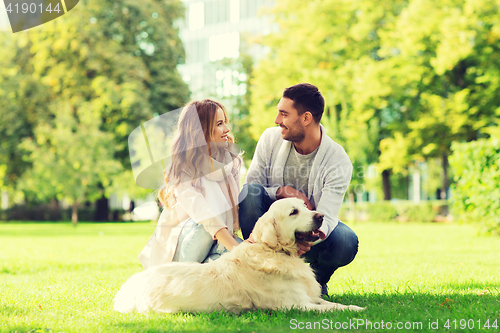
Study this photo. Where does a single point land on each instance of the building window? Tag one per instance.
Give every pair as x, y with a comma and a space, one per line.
217, 11
234, 11
210, 12
224, 46
248, 8
196, 51
196, 15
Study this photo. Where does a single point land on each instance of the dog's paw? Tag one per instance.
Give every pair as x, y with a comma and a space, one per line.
355, 308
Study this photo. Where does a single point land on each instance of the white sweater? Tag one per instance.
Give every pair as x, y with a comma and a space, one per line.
213, 210
328, 181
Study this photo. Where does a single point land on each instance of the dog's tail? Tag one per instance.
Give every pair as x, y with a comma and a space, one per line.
125, 299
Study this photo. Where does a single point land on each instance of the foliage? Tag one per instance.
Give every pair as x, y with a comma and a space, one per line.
446, 60
397, 210
422, 212
402, 79
22, 101
399, 186
334, 46
432, 175
45, 213
109, 65
3, 169
71, 159
67, 284
123, 184
381, 211
477, 174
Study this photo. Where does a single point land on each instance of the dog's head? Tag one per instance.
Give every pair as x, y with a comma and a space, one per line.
287, 222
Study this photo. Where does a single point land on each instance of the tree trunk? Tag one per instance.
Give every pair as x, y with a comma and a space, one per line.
386, 183
352, 207
416, 185
102, 209
74, 213
444, 188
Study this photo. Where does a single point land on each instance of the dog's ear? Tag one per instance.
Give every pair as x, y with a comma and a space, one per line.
265, 231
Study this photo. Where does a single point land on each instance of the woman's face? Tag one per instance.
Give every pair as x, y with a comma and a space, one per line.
221, 130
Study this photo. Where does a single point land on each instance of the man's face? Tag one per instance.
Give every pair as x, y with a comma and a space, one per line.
289, 120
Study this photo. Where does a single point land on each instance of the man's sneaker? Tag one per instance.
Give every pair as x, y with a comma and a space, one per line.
324, 291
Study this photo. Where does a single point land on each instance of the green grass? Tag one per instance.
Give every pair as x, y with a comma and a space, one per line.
57, 278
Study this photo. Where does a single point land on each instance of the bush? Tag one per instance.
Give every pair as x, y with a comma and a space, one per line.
381, 211
28, 213
476, 166
422, 212
400, 210
53, 214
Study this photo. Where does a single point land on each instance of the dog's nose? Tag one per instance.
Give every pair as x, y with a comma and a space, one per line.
318, 217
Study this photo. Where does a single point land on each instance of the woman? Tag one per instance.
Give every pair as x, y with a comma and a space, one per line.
201, 190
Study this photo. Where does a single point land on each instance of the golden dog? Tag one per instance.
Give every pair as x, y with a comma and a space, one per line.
266, 274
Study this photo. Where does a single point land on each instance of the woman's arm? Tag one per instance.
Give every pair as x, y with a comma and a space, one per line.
225, 238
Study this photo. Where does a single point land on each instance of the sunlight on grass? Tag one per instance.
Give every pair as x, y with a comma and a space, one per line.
55, 277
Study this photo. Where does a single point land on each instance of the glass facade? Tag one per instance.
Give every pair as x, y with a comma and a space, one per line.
216, 29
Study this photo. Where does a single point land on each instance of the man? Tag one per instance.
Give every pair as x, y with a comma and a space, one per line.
297, 159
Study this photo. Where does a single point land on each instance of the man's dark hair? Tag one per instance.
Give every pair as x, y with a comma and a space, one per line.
306, 97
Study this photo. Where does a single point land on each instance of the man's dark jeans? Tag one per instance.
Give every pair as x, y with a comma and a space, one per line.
337, 250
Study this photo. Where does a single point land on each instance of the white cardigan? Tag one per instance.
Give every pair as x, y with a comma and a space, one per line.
214, 211
329, 179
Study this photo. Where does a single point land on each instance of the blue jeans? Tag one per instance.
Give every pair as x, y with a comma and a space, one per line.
337, 250
195, 244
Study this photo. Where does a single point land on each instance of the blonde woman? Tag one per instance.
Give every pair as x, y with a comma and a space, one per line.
201, 190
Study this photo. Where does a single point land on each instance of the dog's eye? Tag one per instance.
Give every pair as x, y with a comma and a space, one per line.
294, 212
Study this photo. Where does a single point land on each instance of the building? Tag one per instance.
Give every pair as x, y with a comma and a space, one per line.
216, 29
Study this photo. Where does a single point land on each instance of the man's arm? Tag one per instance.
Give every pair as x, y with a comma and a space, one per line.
332, 195
290, 192
258, 172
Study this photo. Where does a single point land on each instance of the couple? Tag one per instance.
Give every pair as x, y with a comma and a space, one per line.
296, 159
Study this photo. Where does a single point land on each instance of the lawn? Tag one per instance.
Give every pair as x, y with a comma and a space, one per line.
415, 277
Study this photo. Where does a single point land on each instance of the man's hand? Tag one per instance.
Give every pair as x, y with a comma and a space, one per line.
304, 247
249, 240
290, 192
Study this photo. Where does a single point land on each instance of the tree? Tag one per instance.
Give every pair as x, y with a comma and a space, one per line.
70, 158
120, 56
22, 101
401, 79
112, 61
332, 44
451, 47
477, 171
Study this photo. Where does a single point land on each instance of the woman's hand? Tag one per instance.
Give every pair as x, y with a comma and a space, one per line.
226, 239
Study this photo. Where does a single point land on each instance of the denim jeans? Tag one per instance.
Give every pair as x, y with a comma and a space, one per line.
195, 244
337, 250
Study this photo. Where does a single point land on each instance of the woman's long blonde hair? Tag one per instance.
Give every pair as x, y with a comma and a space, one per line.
190, 148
